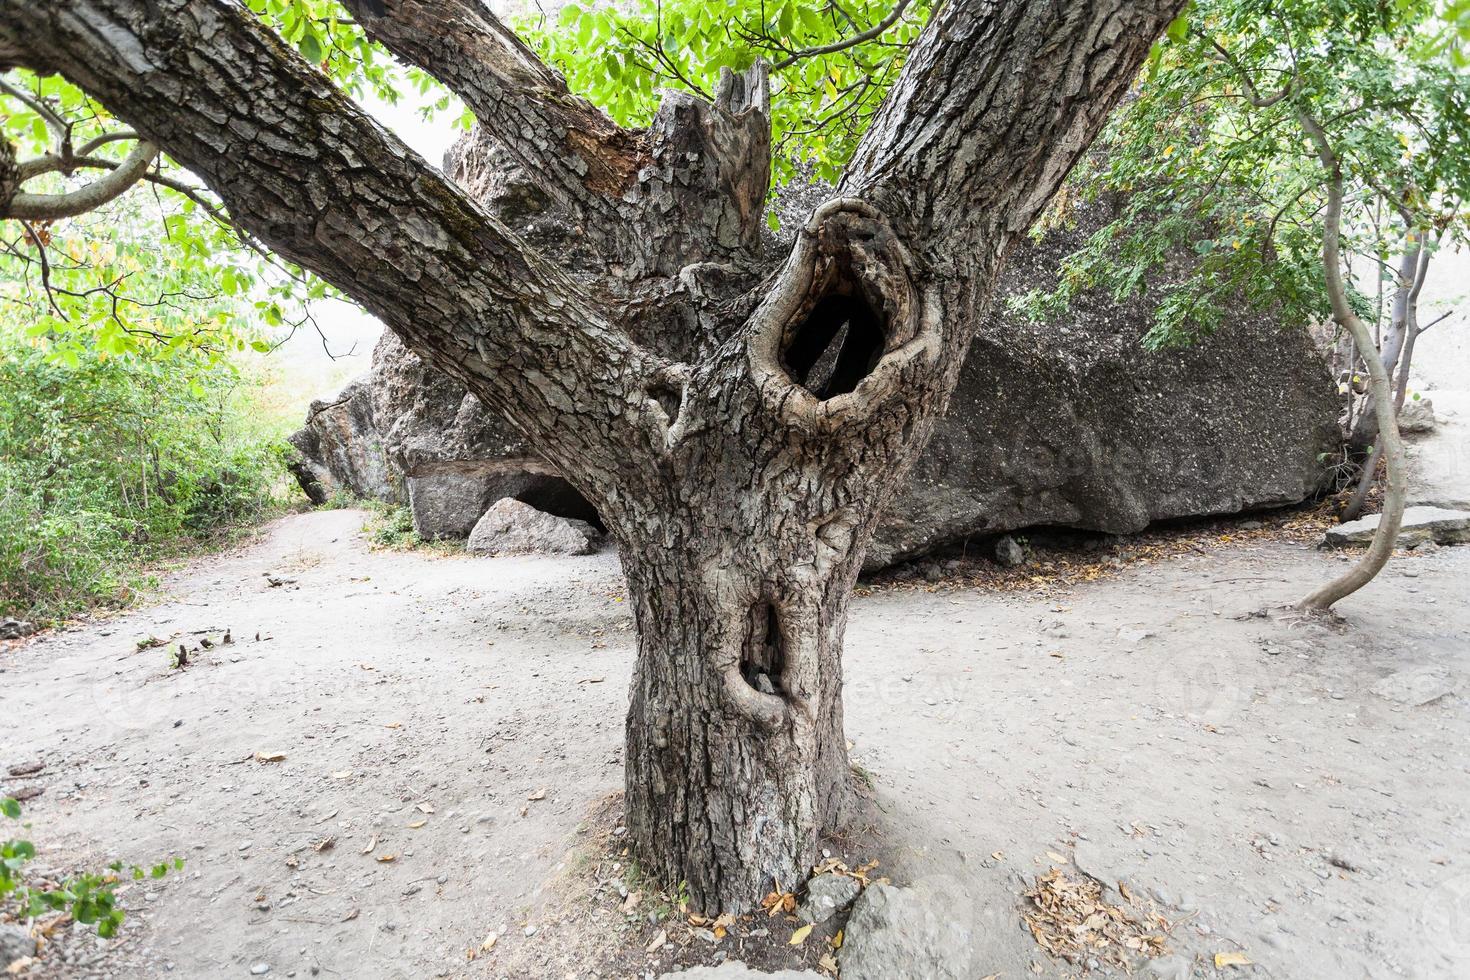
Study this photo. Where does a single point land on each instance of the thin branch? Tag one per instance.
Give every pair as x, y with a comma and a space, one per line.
52, 207
847, 42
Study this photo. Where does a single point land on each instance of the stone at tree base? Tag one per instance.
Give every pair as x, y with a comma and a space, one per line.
913, 933
1417, 415
510, 527
15, 944
1420, 525
738, 971
825, 894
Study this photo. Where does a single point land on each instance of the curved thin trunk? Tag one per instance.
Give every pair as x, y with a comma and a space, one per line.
1380, 391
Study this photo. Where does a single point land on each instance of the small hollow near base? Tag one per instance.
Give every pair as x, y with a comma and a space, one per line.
836, 345
763, 659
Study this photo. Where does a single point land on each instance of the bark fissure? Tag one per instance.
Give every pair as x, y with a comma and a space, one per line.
739, 420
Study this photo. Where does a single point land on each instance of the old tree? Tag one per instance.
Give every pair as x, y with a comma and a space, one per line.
738, 414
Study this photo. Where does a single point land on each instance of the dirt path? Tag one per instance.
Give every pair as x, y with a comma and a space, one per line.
1248, 773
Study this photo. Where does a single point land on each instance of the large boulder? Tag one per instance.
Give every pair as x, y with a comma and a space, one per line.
1075, 423
1071, 423
510, 527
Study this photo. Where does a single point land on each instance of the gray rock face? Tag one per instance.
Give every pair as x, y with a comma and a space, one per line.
406, 434
916, 933
15, 944
1420, 524
1008, 552
825, 894
1070, 423
1439, 459
510, 527
1074, 423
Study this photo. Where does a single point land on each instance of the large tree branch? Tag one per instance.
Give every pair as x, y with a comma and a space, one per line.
577, 153
308, 173
996, 103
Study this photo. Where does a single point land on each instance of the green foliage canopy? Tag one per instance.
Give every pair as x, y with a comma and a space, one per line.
832, 63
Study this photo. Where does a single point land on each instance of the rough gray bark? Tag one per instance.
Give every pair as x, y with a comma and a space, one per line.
738, 421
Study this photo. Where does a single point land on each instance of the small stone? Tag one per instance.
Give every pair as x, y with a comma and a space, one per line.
1008, 552
825, 895
260, 969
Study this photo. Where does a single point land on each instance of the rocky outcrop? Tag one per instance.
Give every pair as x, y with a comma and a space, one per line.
1070, 423
406, 434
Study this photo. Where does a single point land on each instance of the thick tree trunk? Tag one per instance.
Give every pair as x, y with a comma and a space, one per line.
739, 418
736, 762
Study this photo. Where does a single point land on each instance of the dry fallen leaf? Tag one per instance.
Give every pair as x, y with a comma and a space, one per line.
370, 845
350, 916
325, 844
489, 943
828, 963
385, 858
631, 902
425, 808
269, 756
19, 966
394, 724
799, 936
1056, 857
417, 824
1232, 959
658, 941
540, 794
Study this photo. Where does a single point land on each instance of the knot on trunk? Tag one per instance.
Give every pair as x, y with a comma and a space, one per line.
845, 321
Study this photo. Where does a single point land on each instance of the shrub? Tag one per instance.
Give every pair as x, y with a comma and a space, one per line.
109, 462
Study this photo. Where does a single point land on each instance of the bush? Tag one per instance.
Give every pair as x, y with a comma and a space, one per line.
108, 463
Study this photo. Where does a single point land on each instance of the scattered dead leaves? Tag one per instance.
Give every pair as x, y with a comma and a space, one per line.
1057, 563
1069, 919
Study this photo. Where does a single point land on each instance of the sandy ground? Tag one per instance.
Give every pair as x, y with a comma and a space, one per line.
1139, 725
